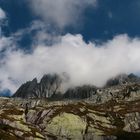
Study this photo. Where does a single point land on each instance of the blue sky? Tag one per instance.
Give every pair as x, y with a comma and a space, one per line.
109, 18
91, 40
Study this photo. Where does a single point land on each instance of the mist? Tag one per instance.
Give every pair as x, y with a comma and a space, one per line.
84, 63
61, 12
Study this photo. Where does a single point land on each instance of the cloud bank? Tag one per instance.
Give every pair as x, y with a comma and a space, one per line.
61, 12
2, 19
84, 63
2, 14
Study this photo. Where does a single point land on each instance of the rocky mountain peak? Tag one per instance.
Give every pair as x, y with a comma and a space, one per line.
82, 113
122, 79
51, 85
48, 85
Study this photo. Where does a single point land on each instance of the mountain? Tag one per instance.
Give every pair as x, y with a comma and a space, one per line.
122, 79
80, 113
48, 86
82, 92
5, 93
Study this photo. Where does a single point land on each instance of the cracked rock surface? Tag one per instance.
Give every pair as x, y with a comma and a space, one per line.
69, 120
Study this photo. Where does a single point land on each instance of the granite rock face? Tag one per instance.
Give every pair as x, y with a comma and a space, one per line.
69, 120
122, 86
80, 113
122, 79
82, 92
48, 86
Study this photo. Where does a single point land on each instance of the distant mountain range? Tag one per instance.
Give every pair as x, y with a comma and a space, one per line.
50, 87
43, 111
5, 93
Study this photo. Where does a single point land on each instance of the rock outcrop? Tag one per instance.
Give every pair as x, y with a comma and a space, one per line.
49, 86
64, 120
81, 113
122, 79
82, 92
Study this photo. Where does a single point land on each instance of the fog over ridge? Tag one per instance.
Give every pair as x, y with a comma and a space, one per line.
85, 63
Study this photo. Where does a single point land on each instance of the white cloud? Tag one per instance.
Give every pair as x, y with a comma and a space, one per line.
84, 63
2, 14
2, 22
4, 43
61, 12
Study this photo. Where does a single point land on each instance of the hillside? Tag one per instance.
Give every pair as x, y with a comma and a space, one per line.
82, 113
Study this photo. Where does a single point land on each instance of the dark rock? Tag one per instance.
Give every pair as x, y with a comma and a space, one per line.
122, 79
48, 86
80, 92
27, 89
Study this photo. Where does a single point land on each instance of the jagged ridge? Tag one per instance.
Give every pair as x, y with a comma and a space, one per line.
50, 87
